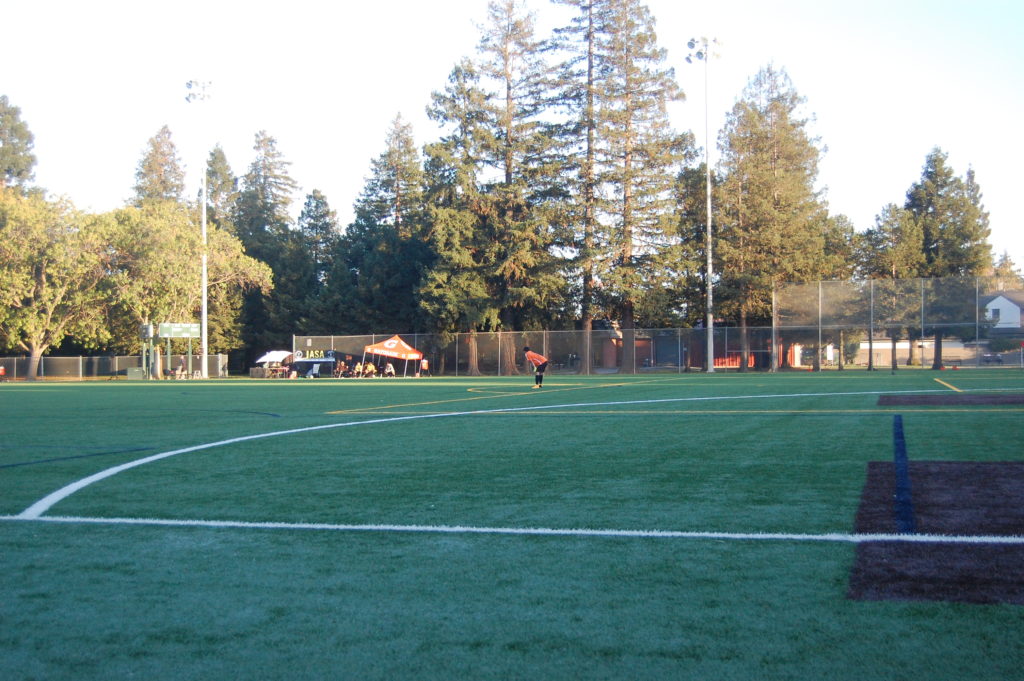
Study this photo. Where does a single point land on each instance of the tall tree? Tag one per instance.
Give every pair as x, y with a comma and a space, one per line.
54, 266
1006, 275
159, 175
454, 292
955, 232
381, 256
639, 156
318, 225
261, 218
893, 250
578, 79
155, 273
518, 146
770, 216
952, 218
16, 158
221, 189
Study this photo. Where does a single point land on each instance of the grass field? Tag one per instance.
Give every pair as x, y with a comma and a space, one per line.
651, 527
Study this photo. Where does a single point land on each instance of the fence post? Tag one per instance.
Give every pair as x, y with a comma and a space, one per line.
774, 355
977, 321
817, 350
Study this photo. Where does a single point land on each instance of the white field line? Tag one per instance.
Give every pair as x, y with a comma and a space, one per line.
46, 503
837, 537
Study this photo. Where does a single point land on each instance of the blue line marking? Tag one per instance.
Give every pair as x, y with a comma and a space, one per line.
903, 502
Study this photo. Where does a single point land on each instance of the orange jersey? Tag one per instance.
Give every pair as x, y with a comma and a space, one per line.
535, 359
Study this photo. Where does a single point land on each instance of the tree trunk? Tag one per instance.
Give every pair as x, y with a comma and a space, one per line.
744, 344
937, 360
585, 360
871, 351
35, 356
628, 340
473, 361
509, 355
895, 337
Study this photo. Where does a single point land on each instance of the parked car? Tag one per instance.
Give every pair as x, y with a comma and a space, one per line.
992, 358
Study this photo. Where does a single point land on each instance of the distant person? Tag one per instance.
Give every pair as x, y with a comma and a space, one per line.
540, 363
389, 370
424, 367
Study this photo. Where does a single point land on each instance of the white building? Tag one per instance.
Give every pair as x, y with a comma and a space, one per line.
1004, 310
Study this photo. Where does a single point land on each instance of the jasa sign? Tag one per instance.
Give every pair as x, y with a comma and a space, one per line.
314, 354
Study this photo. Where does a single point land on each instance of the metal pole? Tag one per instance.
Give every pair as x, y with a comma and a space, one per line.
204, 368
707, 182
197, 91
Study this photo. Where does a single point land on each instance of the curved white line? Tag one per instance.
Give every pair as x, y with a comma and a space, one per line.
46, 503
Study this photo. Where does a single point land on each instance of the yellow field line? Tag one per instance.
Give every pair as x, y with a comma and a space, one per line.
730, 412
951, 387
387, 409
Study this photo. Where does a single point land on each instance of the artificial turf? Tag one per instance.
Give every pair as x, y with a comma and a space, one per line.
725, 453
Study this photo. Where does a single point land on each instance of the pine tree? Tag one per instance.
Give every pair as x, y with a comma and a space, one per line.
955, 235
771, 227
16, 141
893, 248
637, 159
261, 210
159, 176
891, 251
318, 225
260, 216
518, 146
454, 291
954, 222
221, 189
578, 84
373, 284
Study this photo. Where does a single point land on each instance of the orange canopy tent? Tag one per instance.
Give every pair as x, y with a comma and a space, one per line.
395, 348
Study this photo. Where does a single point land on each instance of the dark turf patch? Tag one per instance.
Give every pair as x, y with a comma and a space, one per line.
951, 498
964, 573
949, 399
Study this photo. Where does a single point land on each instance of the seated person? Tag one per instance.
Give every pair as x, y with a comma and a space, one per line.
369, 371
389, 370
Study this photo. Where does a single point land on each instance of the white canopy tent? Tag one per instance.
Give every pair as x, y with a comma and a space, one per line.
274, 356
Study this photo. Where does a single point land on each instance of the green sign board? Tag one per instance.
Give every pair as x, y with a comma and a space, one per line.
179, 331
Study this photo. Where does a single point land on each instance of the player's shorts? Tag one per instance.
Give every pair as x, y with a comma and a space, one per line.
542, 367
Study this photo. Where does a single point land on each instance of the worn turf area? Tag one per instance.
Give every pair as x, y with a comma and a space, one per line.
950, 498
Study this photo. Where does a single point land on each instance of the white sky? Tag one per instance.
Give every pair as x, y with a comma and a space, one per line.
886, 80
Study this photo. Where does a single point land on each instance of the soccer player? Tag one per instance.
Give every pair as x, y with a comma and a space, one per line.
540, 363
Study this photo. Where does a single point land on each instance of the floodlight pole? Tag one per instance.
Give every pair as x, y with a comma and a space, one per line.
197, 91
703, 55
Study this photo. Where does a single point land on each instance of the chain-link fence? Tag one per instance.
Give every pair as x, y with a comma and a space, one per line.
844, 324
112, 367
971, 321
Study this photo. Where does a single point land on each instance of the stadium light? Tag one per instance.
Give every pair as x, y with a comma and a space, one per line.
703, 54
197, 92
